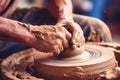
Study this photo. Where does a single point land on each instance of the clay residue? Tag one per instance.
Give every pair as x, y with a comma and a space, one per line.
43, 32
76, 72
111, 74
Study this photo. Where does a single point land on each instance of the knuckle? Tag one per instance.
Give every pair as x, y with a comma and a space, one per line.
58, 42
61, 28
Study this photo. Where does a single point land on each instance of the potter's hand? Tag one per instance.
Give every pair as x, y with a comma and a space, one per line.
49, 38
76, 31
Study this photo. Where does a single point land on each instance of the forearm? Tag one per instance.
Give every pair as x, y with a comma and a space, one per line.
61, 9
11, 30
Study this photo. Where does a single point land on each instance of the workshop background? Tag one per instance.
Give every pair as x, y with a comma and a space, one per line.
105, 10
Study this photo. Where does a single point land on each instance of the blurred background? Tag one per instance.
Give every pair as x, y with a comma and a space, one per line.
106, 10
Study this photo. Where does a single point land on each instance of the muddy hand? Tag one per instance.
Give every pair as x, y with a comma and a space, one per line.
49, 38
77, 34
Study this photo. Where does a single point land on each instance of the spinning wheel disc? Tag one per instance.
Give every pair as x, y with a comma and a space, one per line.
94, 59
27, 65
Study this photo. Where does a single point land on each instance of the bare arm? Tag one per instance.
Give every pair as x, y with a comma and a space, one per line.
11, 30
46, 38
62, 11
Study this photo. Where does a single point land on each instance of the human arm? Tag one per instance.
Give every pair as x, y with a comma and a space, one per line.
44, 38
10, 30
62, 11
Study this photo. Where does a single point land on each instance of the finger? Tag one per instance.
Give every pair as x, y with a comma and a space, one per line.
78, 39
78, 43
74, 37
64, 40
58, 48
68, 35
77, 32
69, 26
74, 34
65, 36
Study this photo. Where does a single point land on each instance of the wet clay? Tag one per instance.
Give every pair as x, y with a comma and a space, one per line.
43, 32
69, 52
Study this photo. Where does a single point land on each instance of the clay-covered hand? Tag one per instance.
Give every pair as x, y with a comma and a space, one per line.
77, 34
49, 38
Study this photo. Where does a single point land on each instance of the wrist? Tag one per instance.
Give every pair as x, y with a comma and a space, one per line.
28, 36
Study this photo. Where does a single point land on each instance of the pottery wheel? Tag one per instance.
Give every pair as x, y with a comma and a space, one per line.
94, 59
25, 65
